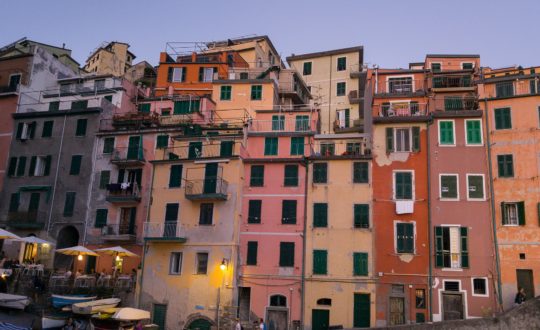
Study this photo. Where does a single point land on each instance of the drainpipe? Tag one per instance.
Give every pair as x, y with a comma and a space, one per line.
492, 204
56, 176
330, 124
303, 282
430, 308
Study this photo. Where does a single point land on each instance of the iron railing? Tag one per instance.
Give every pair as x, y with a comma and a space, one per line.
207, 187
162, 229
400, 109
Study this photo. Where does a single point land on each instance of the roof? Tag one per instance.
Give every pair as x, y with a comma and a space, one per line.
232, 42
453, 55
294, 57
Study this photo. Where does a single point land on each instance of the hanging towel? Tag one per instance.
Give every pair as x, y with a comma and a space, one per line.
404, 207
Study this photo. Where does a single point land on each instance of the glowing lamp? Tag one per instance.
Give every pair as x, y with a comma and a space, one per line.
79, 257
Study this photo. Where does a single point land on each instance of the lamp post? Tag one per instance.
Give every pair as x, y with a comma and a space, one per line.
223, 266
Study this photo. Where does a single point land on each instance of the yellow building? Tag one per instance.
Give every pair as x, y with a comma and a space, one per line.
339, 273
191, 243
110, 58
335, 80
257, 51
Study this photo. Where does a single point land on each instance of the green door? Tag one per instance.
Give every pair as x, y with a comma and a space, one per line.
362, 314
159, 315
134, 148
320, 319
200, 324
210, 178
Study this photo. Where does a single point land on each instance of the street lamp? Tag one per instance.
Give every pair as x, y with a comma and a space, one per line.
224, 264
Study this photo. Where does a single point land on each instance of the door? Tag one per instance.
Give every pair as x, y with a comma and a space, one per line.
14, 81
200, 324
210, 178
277, 319
362, 307
33, 206
127, 221
159, 314
320, 319
134, 148
90, 265
397, 311
452, 306
244, 302
525, 281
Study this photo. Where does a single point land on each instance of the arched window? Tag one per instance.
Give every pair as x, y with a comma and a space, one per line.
324, 301
278, 301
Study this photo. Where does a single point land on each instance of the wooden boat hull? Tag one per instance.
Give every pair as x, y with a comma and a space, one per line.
93, 307
14, 301
59, 301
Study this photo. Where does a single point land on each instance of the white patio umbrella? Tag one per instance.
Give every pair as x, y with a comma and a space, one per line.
117, 251
4, 234
34, 240
131, 314
77, 251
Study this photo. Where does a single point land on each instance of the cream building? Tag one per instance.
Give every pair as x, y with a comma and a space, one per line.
112, 58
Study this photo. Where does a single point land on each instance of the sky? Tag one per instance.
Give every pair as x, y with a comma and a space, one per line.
393, 32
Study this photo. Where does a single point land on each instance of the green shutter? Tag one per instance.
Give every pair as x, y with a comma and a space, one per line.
81, 127
474, 135
108, 98
416, 138
409, 240
69, 204
405, 237
226, 148
360, 264
301, 123
291, 176
320, 261
449, 186
252, 248
144, 107
12, 166
20, 127
75, 165
403, 185
307, 69
439, 260
503, 118
32, 129
22, 166
104, 179
361, 215
79, 105
389, 139
476, 186
162, 141
47, 128
256, 92
446, 132
297, 146
464, 248
271, 146
320, 173
400, 233
360, 172
32, 167
14, 202
347, 117
257, 176
225, 94
278, 123
175, 176
504, 218
521, 213
101, 218
286, 254
288, 212
254, 211
54, 106
320, 215
47, 170
538, 212
108, 145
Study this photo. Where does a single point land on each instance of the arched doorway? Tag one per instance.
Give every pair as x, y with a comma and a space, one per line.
199, 324
67, 236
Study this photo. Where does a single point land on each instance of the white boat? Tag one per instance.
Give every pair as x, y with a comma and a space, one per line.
53, 322
92, 307
13, 301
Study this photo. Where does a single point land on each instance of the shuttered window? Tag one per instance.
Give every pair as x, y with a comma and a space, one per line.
464, 247
54, 106
320, 215
320, 261
226, 148
21, 167
12, 168
341, 63
101, 218
162, 141
403, 185
206, 214
79, 105
291, 176
81, 127
278, 123
195, 150
108, 145
69, 204
475, 186
301, 123
446, 132
254, 211
360, 172
225, 93
505, 165
503, 118
361, 215
75, 167
104, 179
297, 146
389, 139
320, 173
286, 254
340, 89
251, 258
271, 146
256, 92
14, 202
47, 128
360, 264
175, 176
307, 68
404, 237
288, 212
415, 139
257, 176
186, 106
474, 132
513, 213
449, 186
144, 107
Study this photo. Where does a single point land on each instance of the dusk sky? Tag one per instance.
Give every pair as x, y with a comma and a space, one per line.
393, 33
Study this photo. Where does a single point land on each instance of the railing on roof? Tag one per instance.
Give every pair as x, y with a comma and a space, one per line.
518, 87
400, 86
89, 87
353, 147
452, 81
210, 148
455, 103
302, 123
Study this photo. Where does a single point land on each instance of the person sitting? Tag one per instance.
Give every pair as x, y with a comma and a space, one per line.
78, 273
67, 274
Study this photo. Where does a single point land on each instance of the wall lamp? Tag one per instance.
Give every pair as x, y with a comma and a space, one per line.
224, 264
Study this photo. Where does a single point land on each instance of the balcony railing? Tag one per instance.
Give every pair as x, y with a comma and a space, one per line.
123, 192
455, 103
512, 88
400, 86
164, 231
119, 232
400, 109
355, 96
88, 88
27, 219
340, 148
128, 156
303, 124
452, 81
210, 188
215, 149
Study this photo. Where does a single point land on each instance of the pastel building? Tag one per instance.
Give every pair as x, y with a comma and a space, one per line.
510, 100
112, 58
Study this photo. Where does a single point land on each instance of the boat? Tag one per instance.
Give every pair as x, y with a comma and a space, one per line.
92, 307
59, 301
9, 326
53, 322
14, 301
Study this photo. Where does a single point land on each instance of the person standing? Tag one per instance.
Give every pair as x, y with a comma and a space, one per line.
238, 326
262, 326
520, 296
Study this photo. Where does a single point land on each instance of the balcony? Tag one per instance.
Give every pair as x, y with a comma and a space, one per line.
291, 86
356, 147
135, 120
87, 88
125, 192
27, 220
279, 124
212, 188
400, 109
128, 157
511, 88
200, 150
400, 87
456, 103
355, 70
164, 232
119, 232
355, 97
455, 83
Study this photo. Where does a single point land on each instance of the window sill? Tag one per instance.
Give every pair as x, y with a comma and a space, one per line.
448, 269
512, 225
480, 295
476, 199
449, 199
175, 274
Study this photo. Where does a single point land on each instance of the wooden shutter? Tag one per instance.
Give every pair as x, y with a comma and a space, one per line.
226, 148
504, 217
75, 165
291, 176
257, 176
521, 213
286, 254
14, 202
400, 233
32, 129
389, 139
360, 264
21, 166
439, 260
170, 74
320, 173
409, 241
416, 138
464, 248
104, 179
320, 261
47, 129
254, 211
108, 145
162, 141
360, 172
347, 117
195, 150
320, 215
252, 248
288, 212
270, 146
20, 127
69, 204
361, 215
12, 166
101, 218
32, 168
47, 169
175, 176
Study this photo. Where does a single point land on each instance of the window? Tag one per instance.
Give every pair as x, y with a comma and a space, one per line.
475, 187
171, 212
320, 215
225, 94
451, 247
207, 74
25, 131
320, 172
75, 167
435, 67
307, 68
207, 211
186, 107
278, 123
467, 66
254, 211
256, 92
353, 148
175, 176
81, 127
343, 118
257, 176
451, 286
403, 188
297, 146
473, 131
324, 301
361, 215
79, 105
400, 85
513, 214
505, 164
288, 212
341, 63
104, 179
449, 187
54, 106
40, 165
47, 128
202, 263
328, 149
21, 166
291, 176
420, 298
162, 141
69, 204
320, 261
286, 254
14, 202
301, 123
534, 86
12, 167
340, 89
108, 98
446, 132
176, 74
360, 264
479, 286
252, 247
101, 218
175, 263
403, 139
404, 237
270, 146
14, 81
108, 145
503, 118
144, 107
278, 301
504, 89
360, 172
399, 139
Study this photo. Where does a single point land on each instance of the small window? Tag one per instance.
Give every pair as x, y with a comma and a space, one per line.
26, 131
324, 302
54, 106
40, 165
202, 263
398, 288
505, 165
420, 298
14, 81
79, 105
206, 214
225, 94
449, 187
467, 66
81, 127
108, 145
522, 256
473, 132
360, 264
171, 212
175, 176
451, 286
175, 264
320, 215
162, 141
513, 214
286, 254
320, 173
288, 212
177, 74
251, 258
254, 212
435, 67
475, 187
360, 172
47, 128
21, 166
14, 202
341, 64
271, 146
301, 124
291, 176
403, 189
256, 92
446, 132
75, 167
503, 118
402, 139
340, 89
307, 68
404, 237
257, 176
361, 215
504, 89
278, 301
278, 123
480, 286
